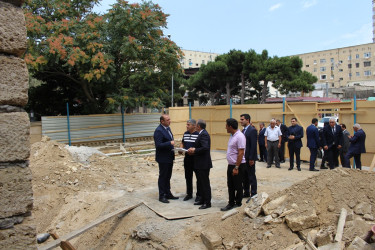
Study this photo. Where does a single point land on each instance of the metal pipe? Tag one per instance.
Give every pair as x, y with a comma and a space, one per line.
230, 108
67, 116
123, 124
283, 110
189, 110
172, 92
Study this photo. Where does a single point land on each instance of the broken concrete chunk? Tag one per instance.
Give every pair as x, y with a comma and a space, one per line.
359, 244
268, 219
323, 237
312, 236
368, 217
229, 213
299, 222
350, 215
273, 205
333, 246
211, 239
286, 212
255, 207
362, 208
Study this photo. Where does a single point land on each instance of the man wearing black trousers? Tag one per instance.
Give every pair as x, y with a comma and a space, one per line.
313, 142
283, 129
294, 134
357, 146
332, 142
202, 164
249, 177
164, 156
261, 142
188, 141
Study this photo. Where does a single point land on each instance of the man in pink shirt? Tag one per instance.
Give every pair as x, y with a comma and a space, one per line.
236, 164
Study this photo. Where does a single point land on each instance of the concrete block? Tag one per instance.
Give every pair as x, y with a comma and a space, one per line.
359, 244
333, 246
21, 236
14, 81
298, 222
211, 239
15, 136
15, 2
323, 237
362, 208
12, 29
255, 207
276, 204
16, 194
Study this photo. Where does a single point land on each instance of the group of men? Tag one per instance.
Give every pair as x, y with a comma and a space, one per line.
242, 153
196, 143
336, 141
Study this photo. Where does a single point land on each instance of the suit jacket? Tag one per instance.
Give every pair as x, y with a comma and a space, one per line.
297, 131
202, 156
312, 134
162, 139
261, 137
345, 140
330, 139
357, 142
251, 144
283, 129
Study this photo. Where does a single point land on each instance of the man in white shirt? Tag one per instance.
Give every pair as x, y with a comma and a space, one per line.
272, 139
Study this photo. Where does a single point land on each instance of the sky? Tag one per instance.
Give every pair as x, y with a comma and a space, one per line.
283, 28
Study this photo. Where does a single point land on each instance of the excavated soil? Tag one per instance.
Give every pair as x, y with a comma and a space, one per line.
70, 193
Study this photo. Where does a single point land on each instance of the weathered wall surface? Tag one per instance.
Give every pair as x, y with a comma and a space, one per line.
16, 195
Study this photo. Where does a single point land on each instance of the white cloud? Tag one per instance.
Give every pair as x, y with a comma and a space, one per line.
309, 3
275, 7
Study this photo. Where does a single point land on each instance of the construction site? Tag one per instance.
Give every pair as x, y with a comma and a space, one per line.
90, 182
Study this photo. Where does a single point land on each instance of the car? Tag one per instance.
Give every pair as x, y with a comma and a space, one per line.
326, 119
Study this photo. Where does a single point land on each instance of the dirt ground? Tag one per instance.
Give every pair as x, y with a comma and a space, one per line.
69, 194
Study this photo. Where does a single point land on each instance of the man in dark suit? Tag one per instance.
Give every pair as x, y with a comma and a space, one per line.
164, 156
202, 164
294, 134
357, 146
345, 145
283, 130
262, 143
332, 142
249, 177
313, 142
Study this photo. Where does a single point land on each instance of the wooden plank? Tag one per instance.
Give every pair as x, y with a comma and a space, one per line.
372, 164
340, 225
80, 231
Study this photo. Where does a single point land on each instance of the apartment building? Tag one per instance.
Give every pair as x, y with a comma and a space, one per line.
342, 66
194, 59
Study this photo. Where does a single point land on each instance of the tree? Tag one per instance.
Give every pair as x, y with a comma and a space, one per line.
210, 79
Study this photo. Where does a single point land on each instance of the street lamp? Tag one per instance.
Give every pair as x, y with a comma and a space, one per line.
169, 36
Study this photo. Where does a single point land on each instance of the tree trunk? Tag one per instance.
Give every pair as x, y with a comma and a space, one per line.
264, 91
212, 98
227, 88
242, 88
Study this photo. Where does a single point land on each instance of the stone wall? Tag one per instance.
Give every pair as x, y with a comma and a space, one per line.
16, 195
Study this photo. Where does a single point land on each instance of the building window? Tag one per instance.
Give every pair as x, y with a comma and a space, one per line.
323, 77
349, 66
314, 69
332, 77
367, 55
357, 74
350, 74
190, 63
332, 60
367, 73
340, 70
340, 61
350, 57
322, 60
307, 65
322, 69
197, 64
367, 64
340, 79
332, 67
357, 65
356, 56
202, 61
314, 61
333, 85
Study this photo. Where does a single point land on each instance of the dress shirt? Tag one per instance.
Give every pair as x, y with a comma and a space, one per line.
237, 141
272, 134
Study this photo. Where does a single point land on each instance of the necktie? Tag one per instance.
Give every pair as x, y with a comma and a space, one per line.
243, 131
169, 132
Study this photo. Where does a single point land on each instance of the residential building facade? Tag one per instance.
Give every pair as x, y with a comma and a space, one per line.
194, 59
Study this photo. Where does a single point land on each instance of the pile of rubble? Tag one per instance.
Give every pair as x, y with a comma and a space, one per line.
331, 210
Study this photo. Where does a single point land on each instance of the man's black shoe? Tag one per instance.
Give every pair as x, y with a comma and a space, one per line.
188, 197
228, 207
323, 167
314, 169
290, 169
198, 203
205, 206
171, 197
246, 195
268, 166
282, 161
299, 169
198, 198
278, 166
164, 200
